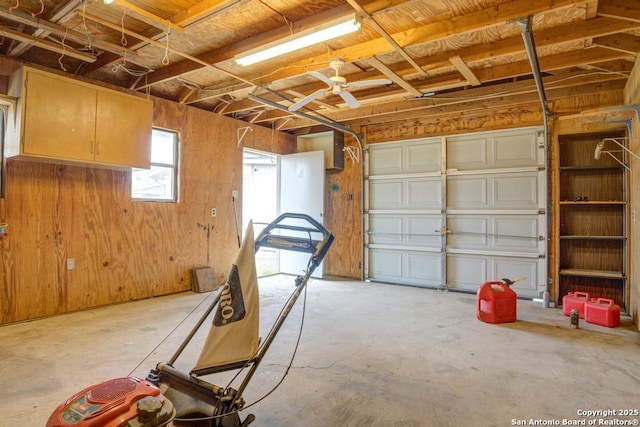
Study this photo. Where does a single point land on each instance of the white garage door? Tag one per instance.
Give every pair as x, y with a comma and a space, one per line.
458, 211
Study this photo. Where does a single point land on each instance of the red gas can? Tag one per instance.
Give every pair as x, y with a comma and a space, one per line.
496, 303
602, 311
574, 300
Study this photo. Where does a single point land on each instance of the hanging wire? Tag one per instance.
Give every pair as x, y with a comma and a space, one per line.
17, 5
41, 10
165, 60
64, 48
123, 38
84, 25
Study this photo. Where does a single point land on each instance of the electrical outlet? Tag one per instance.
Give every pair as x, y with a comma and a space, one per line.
213, 212
71, 263
234, 194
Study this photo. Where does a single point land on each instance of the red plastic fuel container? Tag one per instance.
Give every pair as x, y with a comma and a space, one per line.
496, 303
602, 311
574, 300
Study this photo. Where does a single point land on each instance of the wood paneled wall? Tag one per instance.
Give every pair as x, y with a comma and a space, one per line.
123, 249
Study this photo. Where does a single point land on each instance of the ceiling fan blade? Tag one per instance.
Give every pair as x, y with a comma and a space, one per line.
349, 99
373, 82
322, 77
307, 99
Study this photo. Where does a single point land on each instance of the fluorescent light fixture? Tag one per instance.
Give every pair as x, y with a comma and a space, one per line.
300, 40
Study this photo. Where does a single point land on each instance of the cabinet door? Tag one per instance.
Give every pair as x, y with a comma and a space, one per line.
60, 119
123, 129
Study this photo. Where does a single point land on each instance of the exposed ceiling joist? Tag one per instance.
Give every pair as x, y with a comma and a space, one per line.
160, 23
59, 15
375, 62
362, 12
62, 49
463, 69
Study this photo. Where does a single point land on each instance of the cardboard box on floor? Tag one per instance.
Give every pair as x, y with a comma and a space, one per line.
203, 279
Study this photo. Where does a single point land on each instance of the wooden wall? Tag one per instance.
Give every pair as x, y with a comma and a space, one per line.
123, 250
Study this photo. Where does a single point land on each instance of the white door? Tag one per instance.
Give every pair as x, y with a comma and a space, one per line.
301, 191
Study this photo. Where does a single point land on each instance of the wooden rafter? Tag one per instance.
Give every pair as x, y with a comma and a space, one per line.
463, 69
165, 46
61, 13
202, 10
45, 44
149, 17
61, 31
362, 12
375, 62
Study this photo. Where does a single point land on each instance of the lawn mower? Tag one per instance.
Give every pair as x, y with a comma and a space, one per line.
171, 397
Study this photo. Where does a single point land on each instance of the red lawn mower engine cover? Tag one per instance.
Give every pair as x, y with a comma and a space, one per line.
120, 402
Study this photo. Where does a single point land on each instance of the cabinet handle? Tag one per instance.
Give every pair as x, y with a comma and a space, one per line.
98, 149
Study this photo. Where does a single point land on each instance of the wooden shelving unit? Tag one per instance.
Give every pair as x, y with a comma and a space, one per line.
592, 220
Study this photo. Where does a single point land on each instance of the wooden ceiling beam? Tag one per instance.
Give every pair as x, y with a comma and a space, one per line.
378, 65
563, 34
623, 42
60, 31
362, 12
627, 9
202, 10
432, 32
463, 69
60, 14
513, 89
149, 18
165, 46
217, 56
45, 44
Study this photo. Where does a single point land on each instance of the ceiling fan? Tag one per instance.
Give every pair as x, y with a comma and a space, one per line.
337, 86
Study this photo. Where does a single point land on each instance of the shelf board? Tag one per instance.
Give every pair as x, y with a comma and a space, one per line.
594, 202
591, 167
586, 237
591, 273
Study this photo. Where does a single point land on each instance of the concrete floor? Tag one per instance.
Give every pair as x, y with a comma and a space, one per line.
370, 355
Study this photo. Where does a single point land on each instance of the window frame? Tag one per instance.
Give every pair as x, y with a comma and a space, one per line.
173, 166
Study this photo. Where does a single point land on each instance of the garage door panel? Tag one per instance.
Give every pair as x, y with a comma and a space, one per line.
466, 272
416, 156
469, 152
386, 194
516, 233
506, 233
516, 150
464, 192
407, 230
386, 161
388, 229
514, 268
515, 192
424, 157
408, 194
405, 267
512, 149
387, 264
421, 230
488, 196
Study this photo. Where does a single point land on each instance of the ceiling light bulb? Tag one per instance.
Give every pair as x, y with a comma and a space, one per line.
300, 41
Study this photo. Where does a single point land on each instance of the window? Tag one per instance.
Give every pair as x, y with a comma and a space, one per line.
159, 182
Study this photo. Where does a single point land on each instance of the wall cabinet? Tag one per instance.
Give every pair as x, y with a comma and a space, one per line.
61, 119
330, 142
592, 219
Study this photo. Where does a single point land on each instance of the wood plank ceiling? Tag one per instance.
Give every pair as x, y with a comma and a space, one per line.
442, 56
